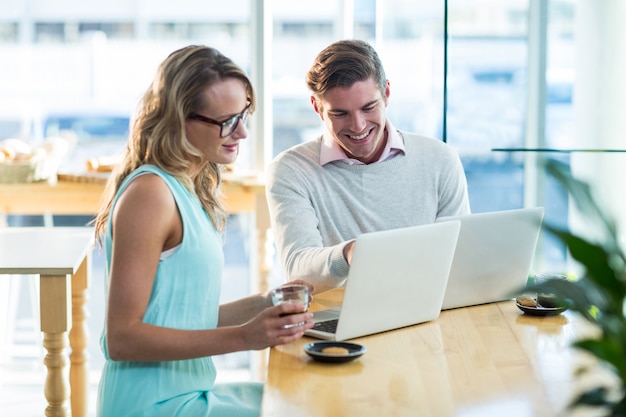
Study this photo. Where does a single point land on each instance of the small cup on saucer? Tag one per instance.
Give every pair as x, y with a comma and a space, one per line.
545, 299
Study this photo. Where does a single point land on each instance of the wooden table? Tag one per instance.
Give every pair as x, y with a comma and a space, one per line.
80, 194
488, 360
61, 256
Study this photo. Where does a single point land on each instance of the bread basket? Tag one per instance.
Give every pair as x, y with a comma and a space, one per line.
30, 170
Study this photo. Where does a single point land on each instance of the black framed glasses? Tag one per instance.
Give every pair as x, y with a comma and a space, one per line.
228, 126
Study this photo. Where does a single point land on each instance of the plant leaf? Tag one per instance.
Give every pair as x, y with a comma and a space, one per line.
597, 263
609, 350
582, 295
581, 195
593, 397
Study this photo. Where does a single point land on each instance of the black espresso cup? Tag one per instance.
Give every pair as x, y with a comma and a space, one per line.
548, 299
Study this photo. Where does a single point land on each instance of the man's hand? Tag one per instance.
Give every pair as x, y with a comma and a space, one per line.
347, 252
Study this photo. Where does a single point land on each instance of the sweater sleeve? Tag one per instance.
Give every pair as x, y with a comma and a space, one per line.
295, 229
454, 198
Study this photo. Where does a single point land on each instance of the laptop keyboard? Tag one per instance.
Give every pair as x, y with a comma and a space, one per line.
328, 326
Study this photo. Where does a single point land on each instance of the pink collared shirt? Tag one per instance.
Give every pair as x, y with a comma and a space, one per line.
331, 151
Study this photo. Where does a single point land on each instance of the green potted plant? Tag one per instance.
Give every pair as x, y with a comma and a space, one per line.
599, 295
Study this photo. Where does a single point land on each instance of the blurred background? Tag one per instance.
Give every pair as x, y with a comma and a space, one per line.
496, 79
82, 67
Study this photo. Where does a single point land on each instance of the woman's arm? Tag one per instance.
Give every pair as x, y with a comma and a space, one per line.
242, 310
146, 222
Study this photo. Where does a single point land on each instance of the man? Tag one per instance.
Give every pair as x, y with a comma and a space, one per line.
362, 175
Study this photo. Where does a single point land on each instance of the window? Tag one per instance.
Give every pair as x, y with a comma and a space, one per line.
486, 96
8, 32
118, 30
49, 32
486, 86
183, 31
413, 62
89, 128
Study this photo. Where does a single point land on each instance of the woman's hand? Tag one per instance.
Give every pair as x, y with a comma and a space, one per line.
277, 325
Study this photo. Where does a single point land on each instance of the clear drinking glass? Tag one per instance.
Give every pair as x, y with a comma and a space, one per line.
295, 293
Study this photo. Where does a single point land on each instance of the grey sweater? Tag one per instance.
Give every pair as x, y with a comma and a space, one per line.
315, 210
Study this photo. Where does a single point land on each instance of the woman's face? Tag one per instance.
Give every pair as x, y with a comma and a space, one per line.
224, 100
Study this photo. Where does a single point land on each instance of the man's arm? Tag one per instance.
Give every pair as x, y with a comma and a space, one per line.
454, 200
295, 229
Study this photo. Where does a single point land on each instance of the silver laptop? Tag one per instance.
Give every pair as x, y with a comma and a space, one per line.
397, 278
493, 257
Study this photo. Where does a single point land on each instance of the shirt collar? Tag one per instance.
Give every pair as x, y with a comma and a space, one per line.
331, 151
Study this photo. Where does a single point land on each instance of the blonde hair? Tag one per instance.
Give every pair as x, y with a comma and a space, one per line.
158, 131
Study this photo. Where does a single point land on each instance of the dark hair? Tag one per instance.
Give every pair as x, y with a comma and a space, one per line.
344, 63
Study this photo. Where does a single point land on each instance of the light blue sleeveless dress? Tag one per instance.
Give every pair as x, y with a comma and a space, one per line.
185, 295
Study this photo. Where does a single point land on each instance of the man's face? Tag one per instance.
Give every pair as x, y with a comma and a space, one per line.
356, 116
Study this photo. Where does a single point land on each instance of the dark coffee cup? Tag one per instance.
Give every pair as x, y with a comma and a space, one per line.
546, 299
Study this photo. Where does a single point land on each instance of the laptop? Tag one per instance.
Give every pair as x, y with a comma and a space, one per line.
397, 278
493, 256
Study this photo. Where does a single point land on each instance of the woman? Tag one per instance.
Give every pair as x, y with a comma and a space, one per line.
160, 227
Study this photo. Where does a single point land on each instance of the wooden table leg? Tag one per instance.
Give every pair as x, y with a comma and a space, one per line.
55, 322
56, 388
79, 371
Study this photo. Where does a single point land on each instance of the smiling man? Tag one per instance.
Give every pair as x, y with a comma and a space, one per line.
362, 175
